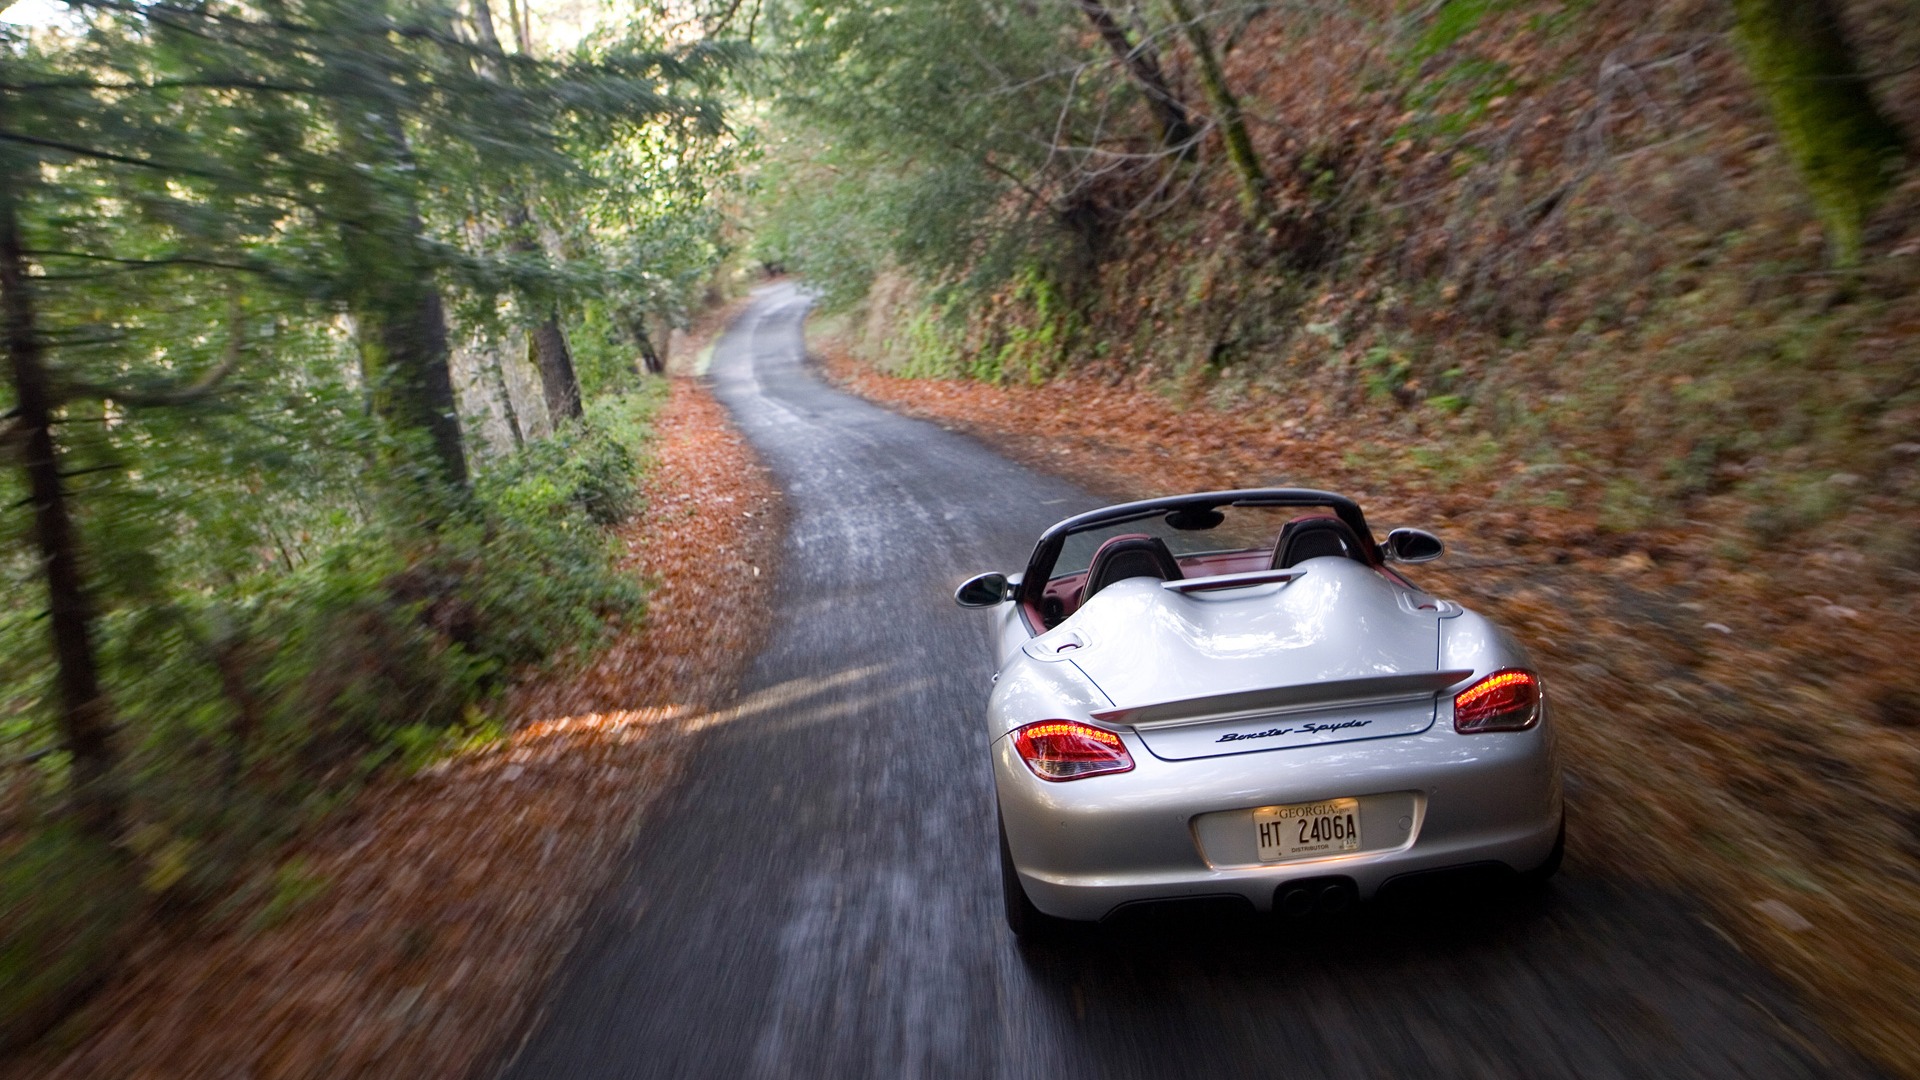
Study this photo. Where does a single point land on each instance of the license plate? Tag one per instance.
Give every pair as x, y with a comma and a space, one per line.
1321, 828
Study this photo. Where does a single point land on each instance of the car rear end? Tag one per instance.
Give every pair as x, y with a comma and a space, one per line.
1252, 824
1290, 746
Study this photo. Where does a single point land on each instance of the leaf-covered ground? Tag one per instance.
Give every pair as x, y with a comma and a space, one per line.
414, 934
1745, 729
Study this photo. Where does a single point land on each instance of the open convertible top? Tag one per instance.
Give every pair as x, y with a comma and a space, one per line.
1047, 552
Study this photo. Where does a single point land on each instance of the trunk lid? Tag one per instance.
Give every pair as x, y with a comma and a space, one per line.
1336, 654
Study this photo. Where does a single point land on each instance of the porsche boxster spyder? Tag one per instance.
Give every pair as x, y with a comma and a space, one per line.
1236, 695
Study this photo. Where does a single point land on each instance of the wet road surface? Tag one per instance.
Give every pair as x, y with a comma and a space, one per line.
819, 897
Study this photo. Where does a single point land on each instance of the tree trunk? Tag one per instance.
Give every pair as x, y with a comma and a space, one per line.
489, 40
85, 720
402, 323
548, 343
649, 355
404, 358
497, 373
1846, 149
1254, 200
1143, 64
664, 346
521, 18
492, 363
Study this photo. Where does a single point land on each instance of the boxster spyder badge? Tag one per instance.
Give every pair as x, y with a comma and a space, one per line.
1236, 736
1236, 694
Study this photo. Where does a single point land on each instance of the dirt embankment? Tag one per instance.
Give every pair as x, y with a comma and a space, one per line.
1747, 732
414, 935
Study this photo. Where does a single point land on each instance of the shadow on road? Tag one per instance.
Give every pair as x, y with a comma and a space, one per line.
1443, 920
1455, 976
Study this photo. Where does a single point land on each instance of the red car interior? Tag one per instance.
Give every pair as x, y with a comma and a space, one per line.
1139, 555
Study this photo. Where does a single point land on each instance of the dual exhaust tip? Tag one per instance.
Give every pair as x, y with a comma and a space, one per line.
1315, 896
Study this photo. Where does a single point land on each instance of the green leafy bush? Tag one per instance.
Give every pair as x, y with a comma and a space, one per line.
250, 708
65, 903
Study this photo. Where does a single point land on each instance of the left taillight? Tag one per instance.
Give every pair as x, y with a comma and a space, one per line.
1507, 700
1067, 750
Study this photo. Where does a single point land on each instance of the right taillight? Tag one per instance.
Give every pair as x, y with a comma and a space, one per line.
1507, 700
1069, 750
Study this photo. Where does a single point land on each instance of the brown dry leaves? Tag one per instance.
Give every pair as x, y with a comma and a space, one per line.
448, 899
1746, 730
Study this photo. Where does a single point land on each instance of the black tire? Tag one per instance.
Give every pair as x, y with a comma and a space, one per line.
1538, 877
1028, 923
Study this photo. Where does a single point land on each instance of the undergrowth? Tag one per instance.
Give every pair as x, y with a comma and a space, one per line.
251, 710
1565, 237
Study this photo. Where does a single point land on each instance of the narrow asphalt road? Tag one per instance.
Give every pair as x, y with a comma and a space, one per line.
819, 896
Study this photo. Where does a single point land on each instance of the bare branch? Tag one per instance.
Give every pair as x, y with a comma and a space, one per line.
234, 82
206, 384
1141, 62
106, 155
68, 474
146, 264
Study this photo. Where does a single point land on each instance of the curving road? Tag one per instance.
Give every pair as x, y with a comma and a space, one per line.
819, 897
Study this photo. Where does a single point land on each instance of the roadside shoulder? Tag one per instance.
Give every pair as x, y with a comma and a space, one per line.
436, 908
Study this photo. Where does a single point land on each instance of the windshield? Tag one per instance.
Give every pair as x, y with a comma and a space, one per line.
1185, 532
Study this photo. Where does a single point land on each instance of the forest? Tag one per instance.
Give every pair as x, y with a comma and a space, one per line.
336, 335
331, 331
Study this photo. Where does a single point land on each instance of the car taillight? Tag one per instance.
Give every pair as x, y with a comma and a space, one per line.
1507, 700
1066, 750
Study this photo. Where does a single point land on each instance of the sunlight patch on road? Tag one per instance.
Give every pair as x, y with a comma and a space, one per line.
800, 702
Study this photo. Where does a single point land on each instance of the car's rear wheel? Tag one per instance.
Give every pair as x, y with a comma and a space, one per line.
1027, 922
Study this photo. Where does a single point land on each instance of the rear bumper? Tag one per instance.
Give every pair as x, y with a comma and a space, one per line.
1169, 829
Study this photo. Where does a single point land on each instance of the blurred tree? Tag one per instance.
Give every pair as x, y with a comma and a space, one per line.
547, 339
220, 224
963, 140
84, 722
400, 319
1255, 200
1142, 61
243, 560
1846, 148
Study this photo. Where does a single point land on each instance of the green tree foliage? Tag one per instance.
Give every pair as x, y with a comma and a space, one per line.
652, 230
246, 558
954, 137
976, 144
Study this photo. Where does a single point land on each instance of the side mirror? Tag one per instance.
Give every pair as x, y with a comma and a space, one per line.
1413, 545
986, 590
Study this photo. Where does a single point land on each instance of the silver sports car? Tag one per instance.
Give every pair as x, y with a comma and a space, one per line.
1235, 695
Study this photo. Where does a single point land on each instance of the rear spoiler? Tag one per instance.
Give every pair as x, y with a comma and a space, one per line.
1278, 700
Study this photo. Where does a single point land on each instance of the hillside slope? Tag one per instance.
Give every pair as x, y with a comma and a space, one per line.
1546, 278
